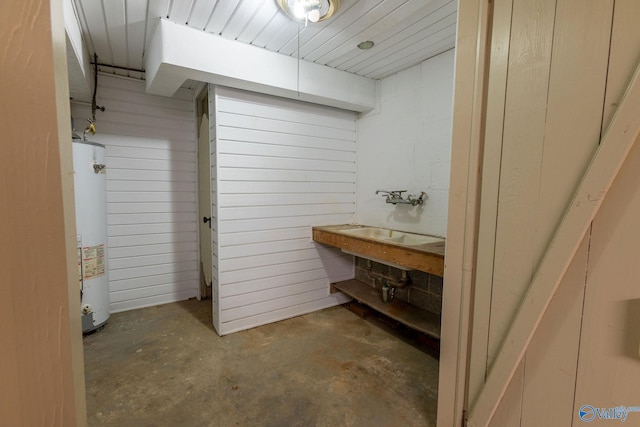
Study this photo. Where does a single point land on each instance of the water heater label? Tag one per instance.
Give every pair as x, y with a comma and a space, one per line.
93, 261
80, 266
79, 246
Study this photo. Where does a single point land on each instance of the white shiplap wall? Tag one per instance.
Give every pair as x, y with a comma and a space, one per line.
282, 166
151, 192
405, 144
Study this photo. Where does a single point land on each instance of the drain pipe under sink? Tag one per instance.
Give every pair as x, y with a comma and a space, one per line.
404, 281
388, 286
388, 292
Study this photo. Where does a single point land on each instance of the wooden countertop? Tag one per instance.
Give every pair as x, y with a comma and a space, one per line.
427, 257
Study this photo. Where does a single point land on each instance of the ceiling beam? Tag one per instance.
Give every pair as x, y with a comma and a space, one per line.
177, 53
78, 61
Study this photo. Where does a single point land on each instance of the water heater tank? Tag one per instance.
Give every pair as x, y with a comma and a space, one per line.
91, 225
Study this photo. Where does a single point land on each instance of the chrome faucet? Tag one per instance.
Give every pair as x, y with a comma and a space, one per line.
395, 197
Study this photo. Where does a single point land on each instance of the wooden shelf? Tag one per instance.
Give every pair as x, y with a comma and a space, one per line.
407, 314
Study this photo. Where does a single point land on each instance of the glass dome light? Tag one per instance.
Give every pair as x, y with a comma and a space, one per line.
309, 10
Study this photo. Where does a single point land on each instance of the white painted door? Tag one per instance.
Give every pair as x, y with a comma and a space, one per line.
204, 206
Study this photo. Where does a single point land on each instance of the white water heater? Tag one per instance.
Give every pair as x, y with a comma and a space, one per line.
91, 225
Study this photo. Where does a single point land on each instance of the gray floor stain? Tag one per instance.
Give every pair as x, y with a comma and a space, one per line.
165, 366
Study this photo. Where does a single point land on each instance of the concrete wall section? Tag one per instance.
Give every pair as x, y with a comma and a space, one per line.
282, 167
151, 192
405, 145
425, 291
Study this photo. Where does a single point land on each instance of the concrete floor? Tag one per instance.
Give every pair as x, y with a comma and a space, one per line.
165, 366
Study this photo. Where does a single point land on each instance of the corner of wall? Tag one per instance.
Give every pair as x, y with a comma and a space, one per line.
63, 113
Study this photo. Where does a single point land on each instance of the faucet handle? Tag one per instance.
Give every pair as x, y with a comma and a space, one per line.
392, 194
417, 200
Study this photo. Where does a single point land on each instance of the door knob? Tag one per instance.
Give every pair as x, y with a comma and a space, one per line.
207, 219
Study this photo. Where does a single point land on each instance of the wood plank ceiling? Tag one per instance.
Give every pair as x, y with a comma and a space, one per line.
405, 32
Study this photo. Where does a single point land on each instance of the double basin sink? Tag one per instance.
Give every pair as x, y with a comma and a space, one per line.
393, 236
408, 251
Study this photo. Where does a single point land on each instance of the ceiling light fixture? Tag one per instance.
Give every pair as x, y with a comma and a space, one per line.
309, 10
366, 45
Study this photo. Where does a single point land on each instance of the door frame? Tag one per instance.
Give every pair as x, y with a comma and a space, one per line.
470, 86
201, 101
